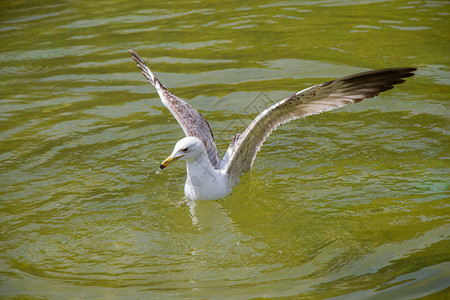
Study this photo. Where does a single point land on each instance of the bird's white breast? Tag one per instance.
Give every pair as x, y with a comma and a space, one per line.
206, 184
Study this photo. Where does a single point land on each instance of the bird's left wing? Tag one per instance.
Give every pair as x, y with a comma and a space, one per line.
316, 99
190, 120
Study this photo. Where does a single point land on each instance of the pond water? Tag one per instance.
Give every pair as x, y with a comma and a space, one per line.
350, 204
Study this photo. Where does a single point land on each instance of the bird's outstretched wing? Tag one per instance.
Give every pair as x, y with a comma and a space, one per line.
190, 120
316, 99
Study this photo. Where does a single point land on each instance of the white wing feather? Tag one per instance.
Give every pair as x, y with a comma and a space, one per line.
316, 99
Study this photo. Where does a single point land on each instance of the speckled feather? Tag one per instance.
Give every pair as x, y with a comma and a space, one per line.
316, 99
313, 100
190, 120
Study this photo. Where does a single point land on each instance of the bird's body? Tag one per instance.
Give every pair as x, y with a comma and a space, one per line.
209, 177
206, 184
203, 180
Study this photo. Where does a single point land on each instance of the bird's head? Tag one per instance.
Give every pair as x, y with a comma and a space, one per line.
187, 148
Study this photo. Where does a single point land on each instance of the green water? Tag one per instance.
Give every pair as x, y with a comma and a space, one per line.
351, 204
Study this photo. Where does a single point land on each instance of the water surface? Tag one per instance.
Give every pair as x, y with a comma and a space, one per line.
351, 204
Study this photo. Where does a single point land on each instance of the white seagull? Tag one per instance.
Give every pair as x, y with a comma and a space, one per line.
209, 177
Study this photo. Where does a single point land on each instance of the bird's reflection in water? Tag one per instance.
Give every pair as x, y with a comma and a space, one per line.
209, 215
218, 236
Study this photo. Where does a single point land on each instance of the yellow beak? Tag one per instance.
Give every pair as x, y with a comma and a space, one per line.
168, 161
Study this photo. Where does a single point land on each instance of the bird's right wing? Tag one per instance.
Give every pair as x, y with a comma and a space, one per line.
190, 120
316, 99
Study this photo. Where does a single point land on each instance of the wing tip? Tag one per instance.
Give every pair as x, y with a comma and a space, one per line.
145, 69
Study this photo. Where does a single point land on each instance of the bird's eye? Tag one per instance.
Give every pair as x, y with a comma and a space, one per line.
185, 149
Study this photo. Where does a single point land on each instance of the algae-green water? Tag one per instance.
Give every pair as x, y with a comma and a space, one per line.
349, 204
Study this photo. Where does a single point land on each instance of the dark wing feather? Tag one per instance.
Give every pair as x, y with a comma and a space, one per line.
190, 120
316, 99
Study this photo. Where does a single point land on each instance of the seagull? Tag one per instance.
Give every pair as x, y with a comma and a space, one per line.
209, 177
